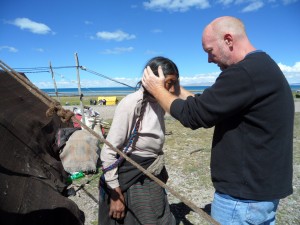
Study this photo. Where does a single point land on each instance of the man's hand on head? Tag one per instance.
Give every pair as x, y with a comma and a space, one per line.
153, 83
156, 86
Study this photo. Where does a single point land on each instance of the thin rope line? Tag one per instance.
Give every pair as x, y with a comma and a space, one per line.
46, 69
101, 75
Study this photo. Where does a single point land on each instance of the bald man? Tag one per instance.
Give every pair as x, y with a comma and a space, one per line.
252, 109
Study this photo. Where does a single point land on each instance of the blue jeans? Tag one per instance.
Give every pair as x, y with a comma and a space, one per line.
232, 211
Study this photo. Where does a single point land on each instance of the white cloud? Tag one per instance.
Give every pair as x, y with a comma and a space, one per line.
117, 50
8, 48
156, 31
287, 2
199, 79
34, 27
86, 22
39, 50
176, 5
292, 73
118, 35
294, 68
152, 52
225, 2
106, 83
60, 84
253, 6
185, 5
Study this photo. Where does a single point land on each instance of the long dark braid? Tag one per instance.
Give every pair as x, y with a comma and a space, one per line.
141, 114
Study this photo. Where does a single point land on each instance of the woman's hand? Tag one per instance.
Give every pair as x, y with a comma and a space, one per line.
117, 204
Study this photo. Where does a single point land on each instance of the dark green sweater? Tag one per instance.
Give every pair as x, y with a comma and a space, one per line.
252, 109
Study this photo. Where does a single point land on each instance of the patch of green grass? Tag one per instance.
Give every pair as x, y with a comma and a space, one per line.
188, 154
75, 100
94, 222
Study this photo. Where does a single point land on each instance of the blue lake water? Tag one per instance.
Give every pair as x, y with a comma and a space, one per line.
106, 91
121, 91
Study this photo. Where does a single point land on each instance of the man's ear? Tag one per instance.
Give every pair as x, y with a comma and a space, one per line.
228, 39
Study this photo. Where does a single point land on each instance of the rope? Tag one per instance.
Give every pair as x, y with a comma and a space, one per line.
101, 75
47, 100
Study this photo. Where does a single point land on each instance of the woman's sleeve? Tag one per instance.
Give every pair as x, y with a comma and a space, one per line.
117, 136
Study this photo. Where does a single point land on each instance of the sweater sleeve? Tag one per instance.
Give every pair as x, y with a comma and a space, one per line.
117, 136
230, 94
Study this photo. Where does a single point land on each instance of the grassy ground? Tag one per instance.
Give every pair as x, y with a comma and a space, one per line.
289, 208
188, 156
75, 100
187, 160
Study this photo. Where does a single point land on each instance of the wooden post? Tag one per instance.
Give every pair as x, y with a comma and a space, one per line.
79, 88
55, 87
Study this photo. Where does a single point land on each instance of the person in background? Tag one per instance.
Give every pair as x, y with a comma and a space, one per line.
251, 108
127, 196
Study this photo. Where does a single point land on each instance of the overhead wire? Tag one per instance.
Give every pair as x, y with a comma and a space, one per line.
37, 71
46, 69
101, 75
72, 81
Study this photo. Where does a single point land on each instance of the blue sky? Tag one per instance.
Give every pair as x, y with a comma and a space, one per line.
115, 38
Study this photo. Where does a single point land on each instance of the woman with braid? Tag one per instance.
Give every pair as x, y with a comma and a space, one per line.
127, 196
